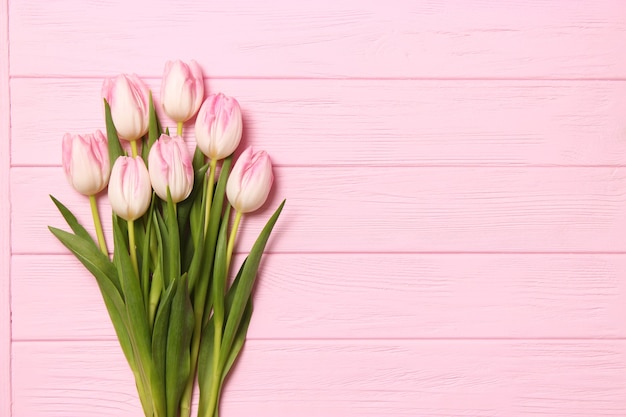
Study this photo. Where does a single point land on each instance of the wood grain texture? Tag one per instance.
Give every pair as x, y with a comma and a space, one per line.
5, 217
348, 379
357, 122
335, 296
391, 209
328, 38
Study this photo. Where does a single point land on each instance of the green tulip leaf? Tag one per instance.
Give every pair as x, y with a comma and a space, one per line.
174, 242
178, 360
240, 339
205, 367
159, 341
202, 262
198, 159
215, 219
106, 277
156, 293
205, 360
72, 222
90, 256
115, 148
244, 287
140, 335
190, 221
220, 272
145, 253
230, 295
154, 129
157, 288
164, 243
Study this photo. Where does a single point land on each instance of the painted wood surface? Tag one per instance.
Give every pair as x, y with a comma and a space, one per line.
453, 241
434, 378
326, 38
392, 209
5, 218
371, 122
398, 296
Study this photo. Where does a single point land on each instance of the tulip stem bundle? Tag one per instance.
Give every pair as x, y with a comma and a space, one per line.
166, 287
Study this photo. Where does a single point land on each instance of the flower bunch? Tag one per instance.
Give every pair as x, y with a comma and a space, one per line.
166, 286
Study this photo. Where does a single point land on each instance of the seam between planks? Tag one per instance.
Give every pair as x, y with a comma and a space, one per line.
393, 165
360, 165
382, 253
365, 339
296, 78
5, 213
378, 252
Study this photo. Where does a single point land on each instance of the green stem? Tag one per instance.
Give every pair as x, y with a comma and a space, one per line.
156, 288
209, 194
98, 225
185, 402
179, 128
133, 148
215, 387
185, 406
218, 317
231, 239
199, 303
131, 244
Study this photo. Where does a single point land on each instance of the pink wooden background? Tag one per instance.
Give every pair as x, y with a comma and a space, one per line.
454, 241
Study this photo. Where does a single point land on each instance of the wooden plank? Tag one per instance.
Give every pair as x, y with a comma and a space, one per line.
349, 378
366, 296
326, 38
391, 209
5, 219
377, 122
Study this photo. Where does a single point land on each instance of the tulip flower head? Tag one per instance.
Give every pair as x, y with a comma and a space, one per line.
219, 126
86, 162
128, 98
182, 90
169, 165
250, 181
129, 188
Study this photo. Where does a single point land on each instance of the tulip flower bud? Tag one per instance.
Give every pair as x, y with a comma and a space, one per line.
169, 165
129, 188
250, 181
86, 162
182, 90
218, 126
128, 98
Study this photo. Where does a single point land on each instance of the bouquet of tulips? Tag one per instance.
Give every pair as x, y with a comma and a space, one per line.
176, 313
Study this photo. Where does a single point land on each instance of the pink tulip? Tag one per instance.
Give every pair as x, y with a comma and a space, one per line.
129, 188
169, 165
218, 126
182, 90
128, 97
250, 181
86, 162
